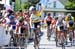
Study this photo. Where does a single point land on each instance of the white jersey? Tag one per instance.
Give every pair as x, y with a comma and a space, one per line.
25, 23
58, 24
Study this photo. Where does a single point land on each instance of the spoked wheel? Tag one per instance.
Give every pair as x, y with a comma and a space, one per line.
48, 33
56, 39
70, 37
63, 42
36, 40
36, 44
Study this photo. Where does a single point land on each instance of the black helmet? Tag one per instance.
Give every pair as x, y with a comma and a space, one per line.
21, 19
20, 10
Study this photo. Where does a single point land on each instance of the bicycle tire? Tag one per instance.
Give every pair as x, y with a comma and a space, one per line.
56, 39
63, 41
48, 33
36, 41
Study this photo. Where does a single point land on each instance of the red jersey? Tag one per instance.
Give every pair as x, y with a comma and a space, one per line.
54, 22
49, 19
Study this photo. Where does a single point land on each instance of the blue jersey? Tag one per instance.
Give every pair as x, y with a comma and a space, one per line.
13, 23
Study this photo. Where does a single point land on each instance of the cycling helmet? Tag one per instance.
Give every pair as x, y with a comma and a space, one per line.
11, 17
33, 9
30, 9
21, 19
56, 18
69, 14
20, 10
49, 14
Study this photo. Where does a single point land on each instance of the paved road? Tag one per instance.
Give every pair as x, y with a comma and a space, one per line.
45, 44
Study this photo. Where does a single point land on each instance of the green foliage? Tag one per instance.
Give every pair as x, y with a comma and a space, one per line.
33, 2
17, 5
72, 0
71, 6
25, 5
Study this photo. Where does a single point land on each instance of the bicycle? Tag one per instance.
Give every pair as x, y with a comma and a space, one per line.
49, 32
70, 35
13, 40
36, 38
62, 38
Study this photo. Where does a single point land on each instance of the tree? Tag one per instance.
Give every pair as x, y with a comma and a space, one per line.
25, 5
34, 2
17, 5
71, 6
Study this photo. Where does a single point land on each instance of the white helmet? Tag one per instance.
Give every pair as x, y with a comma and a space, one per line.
30, 9
69, 14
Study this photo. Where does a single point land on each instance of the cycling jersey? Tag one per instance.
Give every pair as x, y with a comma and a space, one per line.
67, 19
35, 18
48, 20
60, 25
70, 22
13, 25
38, 14
22, 26
53, 22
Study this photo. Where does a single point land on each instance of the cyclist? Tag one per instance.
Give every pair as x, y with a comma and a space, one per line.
4, 36
70, 24
48, 22
35, 19
60, 26
22, 30
19, 14
53, 24
11, 26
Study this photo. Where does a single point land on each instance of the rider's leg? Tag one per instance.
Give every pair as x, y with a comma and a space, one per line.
38, 27
35, 36
59, 36
65, 34
73, 32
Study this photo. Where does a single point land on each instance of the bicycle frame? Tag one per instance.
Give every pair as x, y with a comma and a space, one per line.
62, 39
49, 32
37, 38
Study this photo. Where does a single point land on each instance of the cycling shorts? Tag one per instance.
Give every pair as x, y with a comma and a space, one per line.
60, 28
36, 24
48, 23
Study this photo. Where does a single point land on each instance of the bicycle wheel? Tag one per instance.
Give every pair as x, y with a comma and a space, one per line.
63, 41
36, 40
70, 37
48, 33
56, 39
